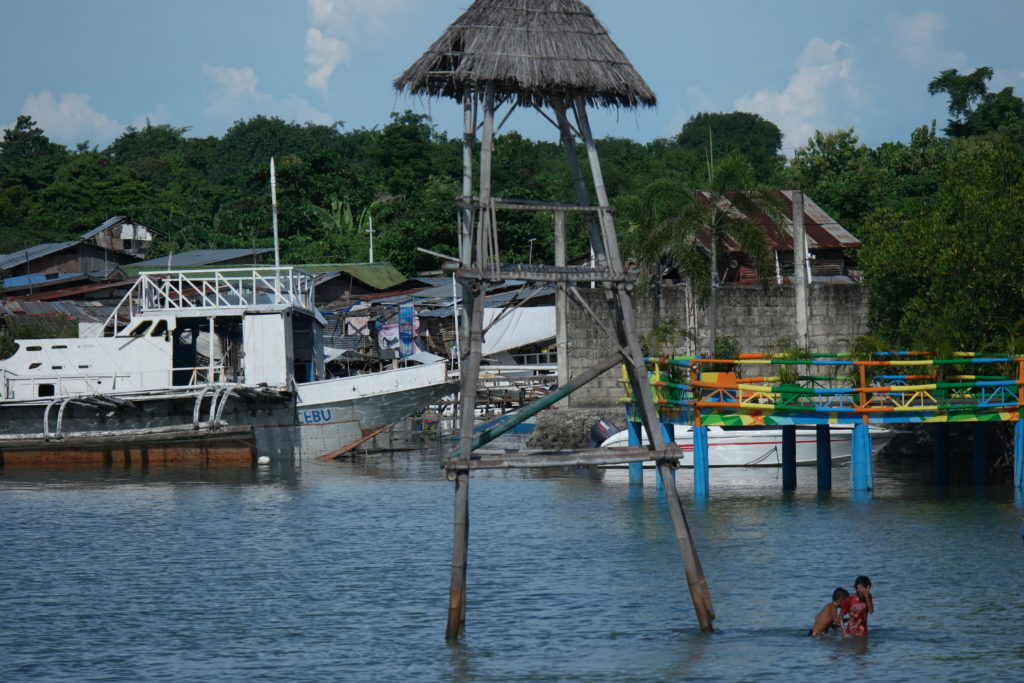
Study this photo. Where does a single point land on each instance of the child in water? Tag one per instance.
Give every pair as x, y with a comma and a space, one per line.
858, 606
828, 617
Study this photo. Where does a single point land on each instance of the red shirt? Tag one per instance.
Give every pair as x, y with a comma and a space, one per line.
858, 611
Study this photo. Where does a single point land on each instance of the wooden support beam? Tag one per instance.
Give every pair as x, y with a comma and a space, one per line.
940, 451
824, 453
789, 457
979, 454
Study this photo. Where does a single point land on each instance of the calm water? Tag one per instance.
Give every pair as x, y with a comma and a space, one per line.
340, 572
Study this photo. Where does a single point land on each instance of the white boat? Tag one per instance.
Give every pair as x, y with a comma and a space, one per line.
226, 364
758, 446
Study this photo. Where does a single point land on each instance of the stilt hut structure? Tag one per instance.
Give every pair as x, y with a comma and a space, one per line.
555, 58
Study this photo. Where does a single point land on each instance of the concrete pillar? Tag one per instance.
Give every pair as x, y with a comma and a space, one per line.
800, 268
561, 307
700, 461
861, 475
1018, 455
636, 469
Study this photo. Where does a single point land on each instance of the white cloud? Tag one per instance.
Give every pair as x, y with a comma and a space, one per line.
70, 119
823, 79
323, 54
918, 40
233, 94
336, 26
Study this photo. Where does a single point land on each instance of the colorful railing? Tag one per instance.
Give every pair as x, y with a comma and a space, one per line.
855, 391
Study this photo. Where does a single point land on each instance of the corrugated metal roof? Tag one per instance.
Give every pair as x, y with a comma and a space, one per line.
823, 231
380, 275
73, 291
17, 258
199, 257
111, 222
34, 279
67, 309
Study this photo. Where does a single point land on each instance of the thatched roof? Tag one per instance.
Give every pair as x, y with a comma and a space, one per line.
530, 50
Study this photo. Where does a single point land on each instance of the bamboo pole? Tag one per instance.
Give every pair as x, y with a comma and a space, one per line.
469, 374
621, 308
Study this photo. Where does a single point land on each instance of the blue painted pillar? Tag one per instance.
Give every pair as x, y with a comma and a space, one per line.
824, 452
700, 461
861, 475
979, 454
1018, 455
789, 457
636, 469
668, 434
940, 449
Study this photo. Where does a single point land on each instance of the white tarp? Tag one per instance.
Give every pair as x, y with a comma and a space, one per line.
518, 328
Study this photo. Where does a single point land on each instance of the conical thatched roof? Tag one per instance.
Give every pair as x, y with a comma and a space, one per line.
530, 49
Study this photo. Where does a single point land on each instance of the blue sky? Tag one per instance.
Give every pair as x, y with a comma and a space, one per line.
86, 69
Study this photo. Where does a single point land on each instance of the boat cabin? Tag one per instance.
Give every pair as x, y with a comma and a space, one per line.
181, 328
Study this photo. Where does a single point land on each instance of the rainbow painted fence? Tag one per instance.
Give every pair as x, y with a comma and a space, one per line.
896, 387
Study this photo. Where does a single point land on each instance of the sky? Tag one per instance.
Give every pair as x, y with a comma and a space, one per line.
87, 69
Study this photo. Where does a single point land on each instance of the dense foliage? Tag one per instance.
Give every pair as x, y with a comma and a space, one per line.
939, 217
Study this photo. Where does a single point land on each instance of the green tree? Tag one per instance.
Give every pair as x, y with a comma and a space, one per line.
26, 141
753, 137
973, 110
669, 225
840, 175
149, 142
949, 271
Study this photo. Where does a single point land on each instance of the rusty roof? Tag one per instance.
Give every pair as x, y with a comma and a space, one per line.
823, 231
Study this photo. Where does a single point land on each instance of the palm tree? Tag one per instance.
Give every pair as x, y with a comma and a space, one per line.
667, 222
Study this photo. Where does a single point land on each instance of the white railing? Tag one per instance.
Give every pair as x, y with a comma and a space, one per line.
176, 290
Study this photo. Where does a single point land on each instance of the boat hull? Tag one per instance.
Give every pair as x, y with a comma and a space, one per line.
229, 424
758, 447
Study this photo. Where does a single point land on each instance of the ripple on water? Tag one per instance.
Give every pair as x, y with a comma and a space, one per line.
341, 572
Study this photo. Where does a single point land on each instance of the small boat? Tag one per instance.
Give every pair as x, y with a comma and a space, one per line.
759, 446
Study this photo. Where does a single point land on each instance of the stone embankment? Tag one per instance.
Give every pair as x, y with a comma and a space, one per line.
570, 427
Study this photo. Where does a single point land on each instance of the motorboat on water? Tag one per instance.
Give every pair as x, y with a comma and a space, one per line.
758, 446
224, 364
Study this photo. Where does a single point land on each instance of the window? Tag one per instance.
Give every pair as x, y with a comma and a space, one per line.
159, 329
33, 366
140, 329
33, 348
46, 390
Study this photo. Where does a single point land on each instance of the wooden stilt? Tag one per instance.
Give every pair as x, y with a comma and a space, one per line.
940, 449
788, 457
1018, 455
824, 453
625, 324
979, 454
460, 555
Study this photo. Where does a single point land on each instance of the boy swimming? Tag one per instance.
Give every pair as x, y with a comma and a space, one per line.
827, 617
858, 606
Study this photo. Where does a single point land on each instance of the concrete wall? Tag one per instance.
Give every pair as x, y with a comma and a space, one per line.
755, 317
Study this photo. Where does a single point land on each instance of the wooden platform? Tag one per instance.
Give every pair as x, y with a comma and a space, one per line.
568, 458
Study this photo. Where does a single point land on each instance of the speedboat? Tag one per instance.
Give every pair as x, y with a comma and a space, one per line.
759, 446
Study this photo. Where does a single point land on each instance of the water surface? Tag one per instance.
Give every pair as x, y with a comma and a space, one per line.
340, 571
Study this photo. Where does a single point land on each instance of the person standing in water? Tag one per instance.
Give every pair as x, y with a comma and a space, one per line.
857, 607
829, 614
